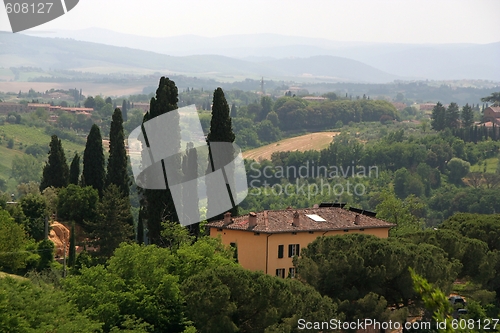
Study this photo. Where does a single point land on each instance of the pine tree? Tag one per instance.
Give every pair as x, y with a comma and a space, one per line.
74, 170
56, 171
124, 110
159, 205
72, 247
93, 161
452, 116
220, 131
438, 117
117, 163
467, 116
112, 226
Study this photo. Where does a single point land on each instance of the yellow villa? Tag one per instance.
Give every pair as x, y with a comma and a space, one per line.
267, 241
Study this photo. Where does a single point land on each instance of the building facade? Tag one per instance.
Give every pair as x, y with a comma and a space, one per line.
492, 114
267, 241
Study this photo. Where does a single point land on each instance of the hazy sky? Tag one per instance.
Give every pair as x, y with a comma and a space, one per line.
402, 21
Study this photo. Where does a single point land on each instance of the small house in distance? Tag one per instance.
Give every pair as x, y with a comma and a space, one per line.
492, 114
267, 241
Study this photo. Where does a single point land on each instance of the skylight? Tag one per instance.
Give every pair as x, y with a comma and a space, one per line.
315, 217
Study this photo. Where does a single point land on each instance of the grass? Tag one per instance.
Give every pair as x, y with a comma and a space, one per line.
312, 141
27, 136
31, 135
491, 165
17, 277
6, 157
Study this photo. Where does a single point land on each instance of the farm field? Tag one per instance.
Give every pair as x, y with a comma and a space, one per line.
311, 141
27, 136
491, 165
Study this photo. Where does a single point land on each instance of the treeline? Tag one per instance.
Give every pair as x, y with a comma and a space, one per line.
435, 168
266, 122
461, 122
368, 276
194, 285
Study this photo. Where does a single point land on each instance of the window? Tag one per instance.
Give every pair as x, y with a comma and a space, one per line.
293, 250
291, 272
281, 249
280, 272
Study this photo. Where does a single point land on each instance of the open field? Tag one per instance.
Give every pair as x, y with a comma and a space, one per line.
3, 275
312, 141
491, 165
31, 135
27, 136
6, 157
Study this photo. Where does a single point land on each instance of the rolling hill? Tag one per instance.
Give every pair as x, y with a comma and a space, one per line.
22, 50
422, 61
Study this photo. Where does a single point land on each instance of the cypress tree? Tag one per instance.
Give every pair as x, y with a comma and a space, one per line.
124, 110
467, 116
233, 110
190, 190
220, 125
220, 131
72, 248
159, 205
438, 117
117, 163
140, 228
74, 170
55, 171
93, 161
452, 116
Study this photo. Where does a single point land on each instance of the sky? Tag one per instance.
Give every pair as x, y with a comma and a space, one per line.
388, 21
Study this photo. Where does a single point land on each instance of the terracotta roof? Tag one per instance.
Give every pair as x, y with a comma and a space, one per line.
280, 221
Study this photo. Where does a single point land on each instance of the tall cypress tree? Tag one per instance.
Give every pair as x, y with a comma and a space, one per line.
158, 205
221, 130
233, 110
467, 116
190, 189
452, 116
117, 163
438, 121
72, 248
93, 161
124, 110
74, 170
55, 171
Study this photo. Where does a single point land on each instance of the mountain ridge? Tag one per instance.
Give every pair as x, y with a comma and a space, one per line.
68, 54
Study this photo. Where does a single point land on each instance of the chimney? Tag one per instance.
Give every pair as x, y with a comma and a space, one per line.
296, 219
356, 219
227, 219
252, 220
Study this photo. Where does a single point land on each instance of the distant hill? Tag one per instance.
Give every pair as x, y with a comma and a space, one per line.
56, 53
423, 61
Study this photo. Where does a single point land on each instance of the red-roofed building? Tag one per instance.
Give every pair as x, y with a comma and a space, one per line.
492, 114
267, 241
